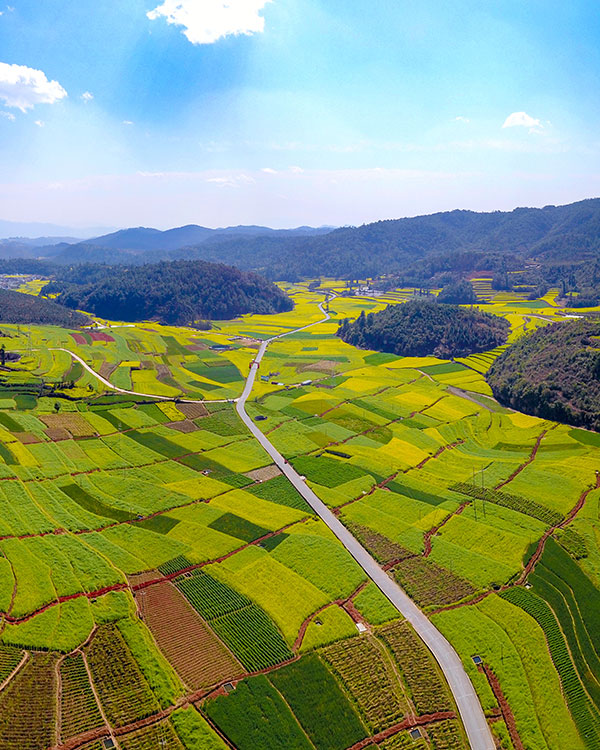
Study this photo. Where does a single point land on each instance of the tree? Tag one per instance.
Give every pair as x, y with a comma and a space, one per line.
3, 355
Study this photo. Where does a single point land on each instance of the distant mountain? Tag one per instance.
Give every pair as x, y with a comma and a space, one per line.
27, 229
146, 239
140, 245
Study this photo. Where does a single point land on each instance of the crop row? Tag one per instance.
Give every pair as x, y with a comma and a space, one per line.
192, 648
583, 713
383, 549
9, 660
124, 693
368, 675
427, 688
157, 737
514, 502
429, 584
79, 710
28, 706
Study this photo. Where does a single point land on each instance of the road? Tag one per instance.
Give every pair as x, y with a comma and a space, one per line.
469, 706
112, 387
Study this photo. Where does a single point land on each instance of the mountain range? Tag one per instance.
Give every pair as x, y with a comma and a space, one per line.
420, 247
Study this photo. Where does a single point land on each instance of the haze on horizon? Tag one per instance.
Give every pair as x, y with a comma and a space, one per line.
293, 112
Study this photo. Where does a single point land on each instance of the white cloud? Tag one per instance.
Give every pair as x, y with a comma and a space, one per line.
268, 170
460, 118
522, 120
207, 21
23, 87
127, 122
40, 123
8, 116
296, 170
87, 96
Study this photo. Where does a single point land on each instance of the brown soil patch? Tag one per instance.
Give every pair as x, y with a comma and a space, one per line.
326, 366
147, 575
74, 423
57, 433
195, 652
163, 372
27, 438
193, 411
264, 474
185, 425
107, 369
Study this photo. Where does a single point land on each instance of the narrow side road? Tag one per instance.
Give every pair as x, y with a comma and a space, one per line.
471, 712
112, 387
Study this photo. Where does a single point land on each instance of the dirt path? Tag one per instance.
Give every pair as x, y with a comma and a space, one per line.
432, 532
418, 721
567, 520
523, 466
507, 714
125, 586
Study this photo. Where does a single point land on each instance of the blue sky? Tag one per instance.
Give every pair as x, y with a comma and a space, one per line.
288, 112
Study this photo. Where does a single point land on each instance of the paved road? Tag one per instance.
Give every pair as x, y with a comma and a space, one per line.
476, 726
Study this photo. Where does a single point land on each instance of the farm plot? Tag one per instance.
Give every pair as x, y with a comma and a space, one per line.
580, 705
429, 584
28, 706
191, 647
365, 668
427, 688
79, 710
124, 692
10, 658
244, 627
160, 735
319, 704
256, 716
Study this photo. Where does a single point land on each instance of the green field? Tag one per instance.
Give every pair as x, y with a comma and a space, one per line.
111, 493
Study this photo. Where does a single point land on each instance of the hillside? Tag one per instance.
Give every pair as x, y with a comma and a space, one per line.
26, 309
176, 293
422, 328
553, 373
412, 249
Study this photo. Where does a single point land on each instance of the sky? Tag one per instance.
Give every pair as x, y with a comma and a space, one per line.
294, 112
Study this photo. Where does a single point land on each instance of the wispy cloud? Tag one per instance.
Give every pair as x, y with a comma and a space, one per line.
87, 96
22, 87
207, 21
8, 116
460, 118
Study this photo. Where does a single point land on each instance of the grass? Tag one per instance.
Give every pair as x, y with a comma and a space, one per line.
321, 561
331, 625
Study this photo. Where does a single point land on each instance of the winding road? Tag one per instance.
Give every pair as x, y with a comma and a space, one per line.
469, 706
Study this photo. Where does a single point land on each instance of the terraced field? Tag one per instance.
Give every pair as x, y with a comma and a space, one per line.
152, 561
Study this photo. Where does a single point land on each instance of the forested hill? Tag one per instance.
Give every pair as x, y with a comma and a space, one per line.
421, 328
28, 310
176, 293
553, 373
456, 241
